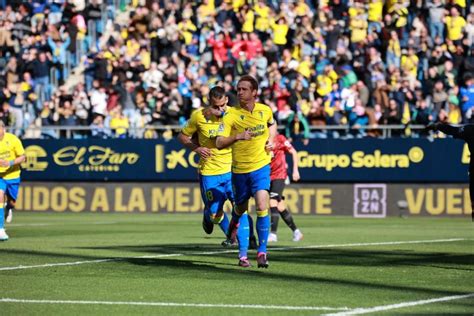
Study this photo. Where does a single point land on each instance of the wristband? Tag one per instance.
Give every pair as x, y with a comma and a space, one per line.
11, 162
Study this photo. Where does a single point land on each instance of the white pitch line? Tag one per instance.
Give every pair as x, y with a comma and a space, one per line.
47, 265
168, 304
62, 224
228, 251
28, 225
358, 311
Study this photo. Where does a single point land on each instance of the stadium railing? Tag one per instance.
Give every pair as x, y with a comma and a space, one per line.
328, 131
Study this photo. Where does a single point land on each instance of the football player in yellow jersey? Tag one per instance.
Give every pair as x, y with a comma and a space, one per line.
12, 155
250, 130
214, 164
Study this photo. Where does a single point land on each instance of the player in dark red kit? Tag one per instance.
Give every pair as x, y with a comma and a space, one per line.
278, 176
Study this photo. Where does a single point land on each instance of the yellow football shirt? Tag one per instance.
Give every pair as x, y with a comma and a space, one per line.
455, 27
10, 148
262, 13
220, 161
375, 11
120, 125
279, 33
248, 22
248, 155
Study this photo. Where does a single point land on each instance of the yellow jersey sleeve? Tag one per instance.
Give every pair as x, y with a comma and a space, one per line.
10, 148
191, 125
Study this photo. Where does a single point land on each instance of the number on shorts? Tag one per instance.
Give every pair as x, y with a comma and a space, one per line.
209, 195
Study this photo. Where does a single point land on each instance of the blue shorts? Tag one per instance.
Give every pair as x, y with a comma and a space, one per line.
215, 190
247, 184
10, 187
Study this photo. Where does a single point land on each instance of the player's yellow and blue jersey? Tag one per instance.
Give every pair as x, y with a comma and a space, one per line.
220, 161
10, 148
248, 155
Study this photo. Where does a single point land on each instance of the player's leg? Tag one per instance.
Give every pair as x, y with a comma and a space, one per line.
276, 192
260, 181
207, 224
243, 238
11, 195
252, 238
242, 193
288, 219
225, 185
231, 239
3, 187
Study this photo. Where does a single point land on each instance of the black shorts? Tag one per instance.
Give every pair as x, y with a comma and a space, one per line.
276, 189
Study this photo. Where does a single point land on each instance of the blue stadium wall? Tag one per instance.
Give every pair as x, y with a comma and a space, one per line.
357, 177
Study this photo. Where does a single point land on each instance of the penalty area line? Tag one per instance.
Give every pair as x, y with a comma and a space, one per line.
48, 265
171, 304
381, 308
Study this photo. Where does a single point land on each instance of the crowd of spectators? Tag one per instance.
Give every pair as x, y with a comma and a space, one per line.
319, 63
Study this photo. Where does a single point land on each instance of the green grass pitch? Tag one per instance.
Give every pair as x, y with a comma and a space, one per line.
152, 264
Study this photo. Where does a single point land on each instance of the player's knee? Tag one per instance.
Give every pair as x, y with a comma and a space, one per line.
262, 205
281, 206
217, 219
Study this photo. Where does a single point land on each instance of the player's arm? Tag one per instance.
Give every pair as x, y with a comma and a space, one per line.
189, 143
272, 129
448, 129
296, 173
224, 137
186, 139
14, 162
209, 111
226, 141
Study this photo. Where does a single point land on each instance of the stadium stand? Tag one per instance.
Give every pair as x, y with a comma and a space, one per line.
328, 68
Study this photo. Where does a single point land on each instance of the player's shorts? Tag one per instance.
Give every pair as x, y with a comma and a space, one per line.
276, 189
215, 190
247, 184
10, 187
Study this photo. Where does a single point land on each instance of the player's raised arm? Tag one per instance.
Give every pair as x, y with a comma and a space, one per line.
465, 132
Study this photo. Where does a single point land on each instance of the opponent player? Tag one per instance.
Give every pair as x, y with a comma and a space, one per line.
250, 129
12, 155
278, 176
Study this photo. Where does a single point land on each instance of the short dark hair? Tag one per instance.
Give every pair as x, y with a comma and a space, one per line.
250, 79
216, 92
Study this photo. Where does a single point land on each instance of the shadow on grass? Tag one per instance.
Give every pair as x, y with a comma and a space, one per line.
324, 256
220, 271
222, 266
